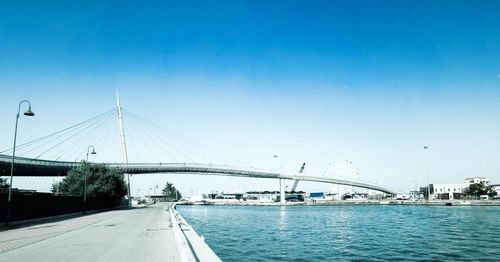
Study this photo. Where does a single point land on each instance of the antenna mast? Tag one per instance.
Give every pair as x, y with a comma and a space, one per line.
123, 144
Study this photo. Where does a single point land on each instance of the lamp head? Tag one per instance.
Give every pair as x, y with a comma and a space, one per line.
29, 112
93, 152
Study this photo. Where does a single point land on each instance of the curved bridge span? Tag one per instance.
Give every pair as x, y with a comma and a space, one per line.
36, 167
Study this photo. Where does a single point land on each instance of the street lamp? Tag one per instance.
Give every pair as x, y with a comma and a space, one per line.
27, 113
426, 148
85, 184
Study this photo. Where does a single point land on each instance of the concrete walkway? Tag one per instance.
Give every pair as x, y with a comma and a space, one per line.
141, 234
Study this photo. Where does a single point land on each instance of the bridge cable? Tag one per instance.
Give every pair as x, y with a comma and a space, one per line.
80, 143
171, 145
159, 144
21, 146
133, 143
52, 138
71, 134
199, 145
162, 139
76, 140
146, 145
101, 138
78, 133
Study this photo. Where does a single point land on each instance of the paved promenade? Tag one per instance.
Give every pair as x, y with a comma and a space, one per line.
141, 234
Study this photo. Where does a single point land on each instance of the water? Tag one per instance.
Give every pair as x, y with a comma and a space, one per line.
348, 233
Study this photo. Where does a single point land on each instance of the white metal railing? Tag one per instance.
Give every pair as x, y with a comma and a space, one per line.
192, 247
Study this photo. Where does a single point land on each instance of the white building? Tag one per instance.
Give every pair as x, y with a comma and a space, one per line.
448, 191
456, 191
476, 180
416, 195
497, 189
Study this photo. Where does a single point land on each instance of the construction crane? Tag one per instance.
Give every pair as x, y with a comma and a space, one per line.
296, 183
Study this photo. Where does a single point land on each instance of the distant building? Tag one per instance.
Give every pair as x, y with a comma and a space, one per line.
497, 189
476, 180
272, 196
415, 194
455, 191
317, 195
237, 196
357, 196
448, 191
158, 198
265, 196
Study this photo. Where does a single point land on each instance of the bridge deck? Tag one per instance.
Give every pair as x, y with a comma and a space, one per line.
35, 167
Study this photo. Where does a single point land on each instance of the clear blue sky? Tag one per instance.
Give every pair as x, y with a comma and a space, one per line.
312, 81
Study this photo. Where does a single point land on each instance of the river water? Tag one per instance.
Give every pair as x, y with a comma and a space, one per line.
348, 233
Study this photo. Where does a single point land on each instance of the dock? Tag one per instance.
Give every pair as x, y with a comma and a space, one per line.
137, 234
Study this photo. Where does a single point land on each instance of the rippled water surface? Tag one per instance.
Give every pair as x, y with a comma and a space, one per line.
348, 233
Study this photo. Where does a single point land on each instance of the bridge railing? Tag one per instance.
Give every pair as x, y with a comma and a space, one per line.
28, 165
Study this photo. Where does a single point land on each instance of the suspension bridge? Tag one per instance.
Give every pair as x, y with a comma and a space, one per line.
57, 153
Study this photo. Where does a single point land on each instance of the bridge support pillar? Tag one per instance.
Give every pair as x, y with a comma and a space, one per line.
282, 191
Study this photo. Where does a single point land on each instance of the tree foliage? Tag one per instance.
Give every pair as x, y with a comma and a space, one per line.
425, 192
4, 183
170, 192
101, 182
478, 189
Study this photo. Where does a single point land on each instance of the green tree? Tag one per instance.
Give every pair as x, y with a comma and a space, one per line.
170, 192
102, 182
424, 191
3, 183
53, 188
478, 189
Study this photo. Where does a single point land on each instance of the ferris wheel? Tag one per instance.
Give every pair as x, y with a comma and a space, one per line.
342, 169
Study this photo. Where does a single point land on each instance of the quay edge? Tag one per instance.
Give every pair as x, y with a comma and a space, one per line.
192, 247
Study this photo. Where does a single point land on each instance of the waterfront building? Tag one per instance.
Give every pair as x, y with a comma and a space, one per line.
322, 196
402, 196
456, 190
263, 196
496, 187
273, 196
448, 191
237, 196
378, 196
317, 195
415, 194
156, 198
357, 196
476, 180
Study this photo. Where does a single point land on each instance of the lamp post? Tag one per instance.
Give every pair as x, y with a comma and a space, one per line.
427, 171
27, 113
85, 183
